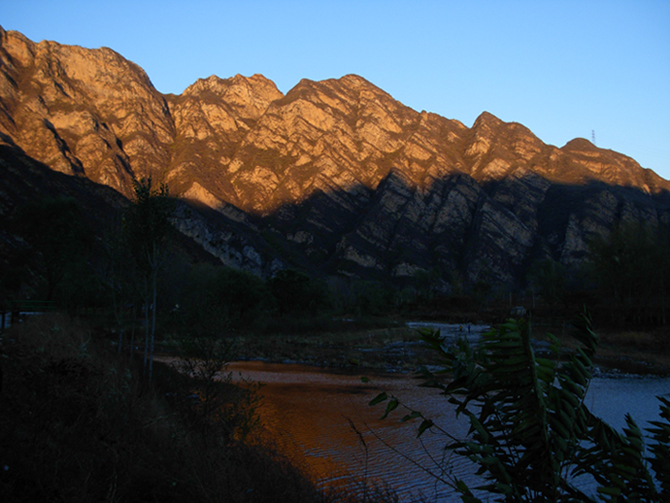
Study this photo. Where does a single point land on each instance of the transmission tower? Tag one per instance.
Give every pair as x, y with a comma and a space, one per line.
593, 136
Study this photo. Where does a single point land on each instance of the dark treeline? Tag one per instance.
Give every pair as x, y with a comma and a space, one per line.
631, 268
133, 269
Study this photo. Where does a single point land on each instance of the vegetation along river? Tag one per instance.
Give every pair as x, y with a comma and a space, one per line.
321, 418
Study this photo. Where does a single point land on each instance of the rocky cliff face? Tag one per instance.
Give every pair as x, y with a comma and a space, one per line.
336, 176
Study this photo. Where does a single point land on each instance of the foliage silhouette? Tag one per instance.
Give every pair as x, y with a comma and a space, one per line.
59, 235
296, 292
217, 298
547, 277
632, 268
148, 226
79, 424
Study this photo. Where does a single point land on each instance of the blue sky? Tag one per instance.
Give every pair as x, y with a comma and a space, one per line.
564, 69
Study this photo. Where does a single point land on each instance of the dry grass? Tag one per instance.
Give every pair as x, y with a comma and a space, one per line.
630, 340
630, 351
370, 349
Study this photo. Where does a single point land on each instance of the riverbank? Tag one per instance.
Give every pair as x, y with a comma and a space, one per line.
621, 352
401, 350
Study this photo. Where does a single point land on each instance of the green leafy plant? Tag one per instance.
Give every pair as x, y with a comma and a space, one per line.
531, 434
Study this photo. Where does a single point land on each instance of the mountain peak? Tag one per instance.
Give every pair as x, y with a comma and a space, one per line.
487, 119
354, 80
256, 84
581, 144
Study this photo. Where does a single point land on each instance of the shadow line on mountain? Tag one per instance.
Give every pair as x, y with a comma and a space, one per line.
496, 229
492, 231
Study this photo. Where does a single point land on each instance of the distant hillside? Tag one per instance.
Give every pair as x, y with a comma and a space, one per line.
335, 177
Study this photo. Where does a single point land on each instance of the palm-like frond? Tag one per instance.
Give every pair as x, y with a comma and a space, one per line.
530, 432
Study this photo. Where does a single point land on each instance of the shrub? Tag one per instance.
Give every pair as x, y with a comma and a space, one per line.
531, 434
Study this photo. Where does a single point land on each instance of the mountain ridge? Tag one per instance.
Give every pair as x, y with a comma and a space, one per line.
352, 180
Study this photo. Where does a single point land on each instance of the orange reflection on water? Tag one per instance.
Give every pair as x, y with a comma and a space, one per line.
322, 421
303, 419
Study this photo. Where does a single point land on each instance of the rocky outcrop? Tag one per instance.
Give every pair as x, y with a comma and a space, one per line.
211, 118
228, 236
82, 112
335, 176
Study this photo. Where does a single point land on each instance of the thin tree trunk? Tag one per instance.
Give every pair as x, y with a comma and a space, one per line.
118, 314
663, 317
146, 332
120, 340
132, 334
153, 327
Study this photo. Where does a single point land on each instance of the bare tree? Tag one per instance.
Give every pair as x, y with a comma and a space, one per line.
148, 226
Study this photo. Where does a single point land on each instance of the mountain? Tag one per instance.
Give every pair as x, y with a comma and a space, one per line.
335, 177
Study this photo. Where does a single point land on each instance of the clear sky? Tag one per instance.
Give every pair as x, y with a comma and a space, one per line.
562, 68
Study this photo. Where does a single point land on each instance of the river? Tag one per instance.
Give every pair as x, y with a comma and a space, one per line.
321, 418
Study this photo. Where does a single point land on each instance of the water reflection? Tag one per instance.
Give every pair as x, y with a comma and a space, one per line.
322, 417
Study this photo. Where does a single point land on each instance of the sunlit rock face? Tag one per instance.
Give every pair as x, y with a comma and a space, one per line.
336, 176
83, 112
